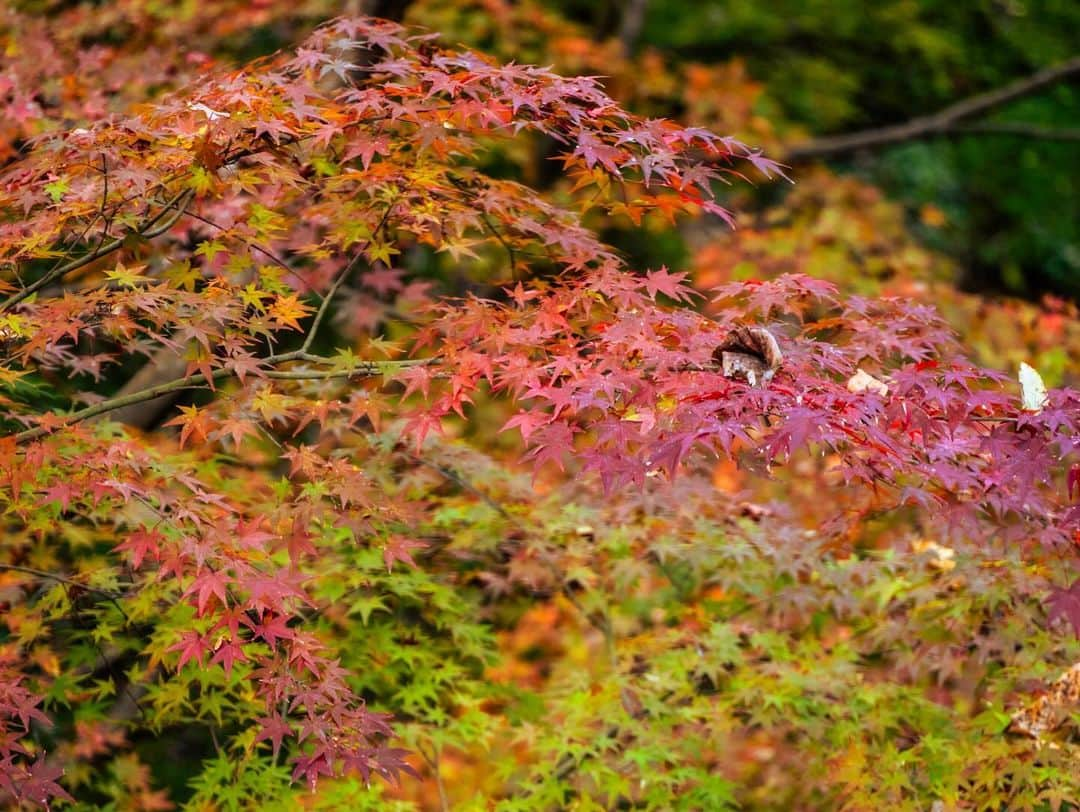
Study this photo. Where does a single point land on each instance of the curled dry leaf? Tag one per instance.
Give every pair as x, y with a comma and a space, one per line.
750, 353
863, 381
753, 512
943, 558
1049, 711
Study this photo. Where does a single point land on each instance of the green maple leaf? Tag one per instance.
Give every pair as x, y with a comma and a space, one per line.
366, 605
57, 189
209, 249
201, 180
182, 275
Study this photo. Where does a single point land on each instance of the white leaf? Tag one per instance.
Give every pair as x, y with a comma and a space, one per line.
1032, 389
863, 381
210, 112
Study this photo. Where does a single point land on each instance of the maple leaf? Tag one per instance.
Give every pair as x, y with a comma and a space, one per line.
244, 364
298, 544
56, 189
183, 275
41, 786
669, 284
140, 544
273, 628
192, 422
236, 429
288, 310
275, 729
192, 646
383, 280
126, 277
399, 548
1066, 603
207, 587
526, 423
378, 251
273, 407
310, 768
63, 492
227, 653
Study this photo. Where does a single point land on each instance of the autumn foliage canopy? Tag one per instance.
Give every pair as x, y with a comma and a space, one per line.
354, 306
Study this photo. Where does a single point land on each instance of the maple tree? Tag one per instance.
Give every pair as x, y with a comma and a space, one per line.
292, 232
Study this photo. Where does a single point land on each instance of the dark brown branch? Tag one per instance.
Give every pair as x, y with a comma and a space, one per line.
112, 597
62, 579
947, 121
1016, 129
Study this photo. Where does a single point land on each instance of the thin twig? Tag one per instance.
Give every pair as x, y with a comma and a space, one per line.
52, 576
324, 305
109, 595
433, 763
266, 252
510, 252
153, 227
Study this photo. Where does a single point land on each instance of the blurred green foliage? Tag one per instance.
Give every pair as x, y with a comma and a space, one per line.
834, 66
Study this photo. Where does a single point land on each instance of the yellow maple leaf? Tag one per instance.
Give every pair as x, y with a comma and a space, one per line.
127, 277
287, 310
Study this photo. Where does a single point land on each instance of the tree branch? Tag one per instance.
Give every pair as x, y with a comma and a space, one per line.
633, 20
324, 305
946, 121
266, 252
433, 763
1017, 130
153, 227
105, 593
163, 365
364, 369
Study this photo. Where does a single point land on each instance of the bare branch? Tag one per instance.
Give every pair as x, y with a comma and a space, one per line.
1018, 130
947, 121
363, 369
324, 305
633, 20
